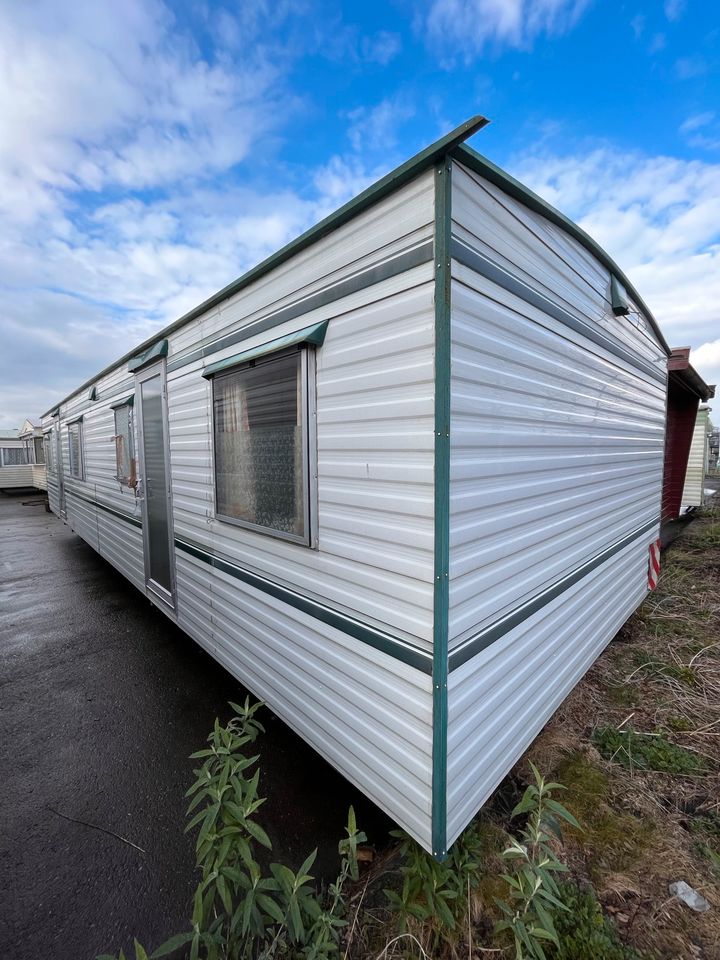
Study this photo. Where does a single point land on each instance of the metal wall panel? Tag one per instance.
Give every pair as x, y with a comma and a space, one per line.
16, 477
692, 495
499, 701
556, 442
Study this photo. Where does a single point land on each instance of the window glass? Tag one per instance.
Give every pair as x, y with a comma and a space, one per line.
75, 443
39, 450
261, 464
49, 441
124, 447
13, 456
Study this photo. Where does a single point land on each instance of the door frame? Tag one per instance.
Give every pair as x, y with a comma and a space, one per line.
156, 590
59, 467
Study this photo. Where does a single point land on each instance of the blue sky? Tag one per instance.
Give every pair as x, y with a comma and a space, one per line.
151, 152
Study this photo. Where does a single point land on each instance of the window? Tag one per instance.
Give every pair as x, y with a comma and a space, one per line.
76, 452
39, 450
262, 450
49, 442
124, 444
13, 456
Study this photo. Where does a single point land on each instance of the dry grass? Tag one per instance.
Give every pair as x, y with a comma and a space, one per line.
645, 829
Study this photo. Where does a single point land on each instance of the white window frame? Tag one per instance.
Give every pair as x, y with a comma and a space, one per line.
77, 470
22, 449
50, 451
309, 442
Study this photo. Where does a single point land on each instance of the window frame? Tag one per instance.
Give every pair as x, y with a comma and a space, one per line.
80, 474
308, 438
22, 449
50, 451
128, 406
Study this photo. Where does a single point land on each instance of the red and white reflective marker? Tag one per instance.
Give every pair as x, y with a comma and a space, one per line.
653, 564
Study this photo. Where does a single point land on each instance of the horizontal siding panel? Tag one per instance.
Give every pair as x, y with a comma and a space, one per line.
556, 452
499, 700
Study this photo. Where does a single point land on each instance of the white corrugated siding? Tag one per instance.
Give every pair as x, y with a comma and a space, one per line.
697, 463
499, 701
556, 443
16, 478
39, 476
367, 713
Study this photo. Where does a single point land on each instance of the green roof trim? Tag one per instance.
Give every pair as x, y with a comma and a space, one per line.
374, 193
154, 352
92, 393
314, 335
618, 299
519, 191
125, 402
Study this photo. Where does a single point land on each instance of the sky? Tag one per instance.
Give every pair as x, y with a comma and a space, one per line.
151, 152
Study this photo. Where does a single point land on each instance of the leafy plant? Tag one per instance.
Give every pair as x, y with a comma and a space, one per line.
434, 894
584, 932
240, 913
647, 752
534, 892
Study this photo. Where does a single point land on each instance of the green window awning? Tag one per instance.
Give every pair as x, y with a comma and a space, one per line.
155, 352
314, 335
92, 393
72, 420
125, 402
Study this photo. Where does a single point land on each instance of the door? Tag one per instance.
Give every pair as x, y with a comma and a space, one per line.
154, 477
57, 437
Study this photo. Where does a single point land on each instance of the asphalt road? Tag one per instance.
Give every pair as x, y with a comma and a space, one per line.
102, 700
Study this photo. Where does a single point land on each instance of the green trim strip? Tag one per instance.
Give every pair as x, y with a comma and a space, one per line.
314, 334
407, 260
618, 300
481, 165
378, 639
125, 402
154, 352
443, 278
478, 262
374, 193
495, 631
96, 503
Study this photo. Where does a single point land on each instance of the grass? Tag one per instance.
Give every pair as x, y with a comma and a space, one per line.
643, 751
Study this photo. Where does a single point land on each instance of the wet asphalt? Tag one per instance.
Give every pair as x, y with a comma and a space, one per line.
102, 699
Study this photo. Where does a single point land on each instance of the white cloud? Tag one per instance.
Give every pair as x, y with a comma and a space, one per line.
658, 217
468, 26
637, 25
706, 359
674, 9
376, 128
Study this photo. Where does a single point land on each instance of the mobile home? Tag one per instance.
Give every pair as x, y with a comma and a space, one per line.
686, 390
22, 458
401, 479
693, 494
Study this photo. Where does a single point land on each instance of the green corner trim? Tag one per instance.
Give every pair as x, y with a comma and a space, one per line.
620, 306
513, 188
154, 352
443, 224
125, 402
92, 393
313, 335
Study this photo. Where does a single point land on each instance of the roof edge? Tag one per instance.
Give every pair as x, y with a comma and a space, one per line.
526, 196
371, 195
